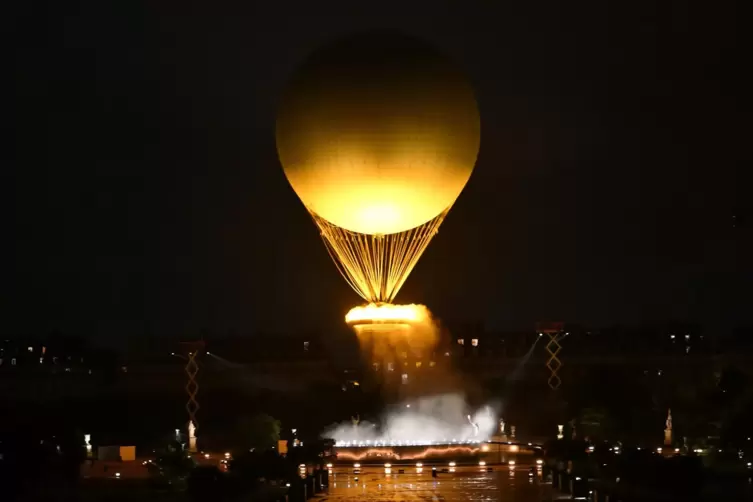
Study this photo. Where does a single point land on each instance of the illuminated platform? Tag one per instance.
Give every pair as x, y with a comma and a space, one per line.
462, 452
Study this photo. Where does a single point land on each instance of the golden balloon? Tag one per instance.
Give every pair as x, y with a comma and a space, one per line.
378, 134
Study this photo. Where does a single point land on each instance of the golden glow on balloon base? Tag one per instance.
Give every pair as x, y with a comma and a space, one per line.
386, 316
387, 332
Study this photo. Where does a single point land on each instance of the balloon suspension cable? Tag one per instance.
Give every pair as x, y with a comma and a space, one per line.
376, 266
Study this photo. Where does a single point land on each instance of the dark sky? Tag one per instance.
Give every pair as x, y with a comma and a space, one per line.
147, 195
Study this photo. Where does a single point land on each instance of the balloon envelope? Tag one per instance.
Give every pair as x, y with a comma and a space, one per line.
378, 133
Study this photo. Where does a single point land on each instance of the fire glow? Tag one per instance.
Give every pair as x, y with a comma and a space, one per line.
386, 313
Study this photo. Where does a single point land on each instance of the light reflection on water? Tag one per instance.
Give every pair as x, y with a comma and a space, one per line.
465, 484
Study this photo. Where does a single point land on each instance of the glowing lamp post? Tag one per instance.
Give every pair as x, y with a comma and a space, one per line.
668, 429
191, 437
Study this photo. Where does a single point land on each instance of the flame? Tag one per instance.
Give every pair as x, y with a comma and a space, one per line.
387, 313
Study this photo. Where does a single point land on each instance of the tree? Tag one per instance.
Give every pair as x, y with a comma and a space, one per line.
258, 432
594, 424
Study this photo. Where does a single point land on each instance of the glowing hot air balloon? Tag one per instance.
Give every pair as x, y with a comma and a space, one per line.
378, 134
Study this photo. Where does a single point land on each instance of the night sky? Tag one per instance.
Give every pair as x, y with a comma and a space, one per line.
147, 196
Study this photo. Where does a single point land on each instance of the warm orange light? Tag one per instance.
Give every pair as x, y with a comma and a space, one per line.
386, 313
374, 206
378, 134
429, 451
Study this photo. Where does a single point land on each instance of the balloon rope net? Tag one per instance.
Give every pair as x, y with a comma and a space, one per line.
376, 266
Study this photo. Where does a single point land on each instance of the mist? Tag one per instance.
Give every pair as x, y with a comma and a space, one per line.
437, 419
434, 411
